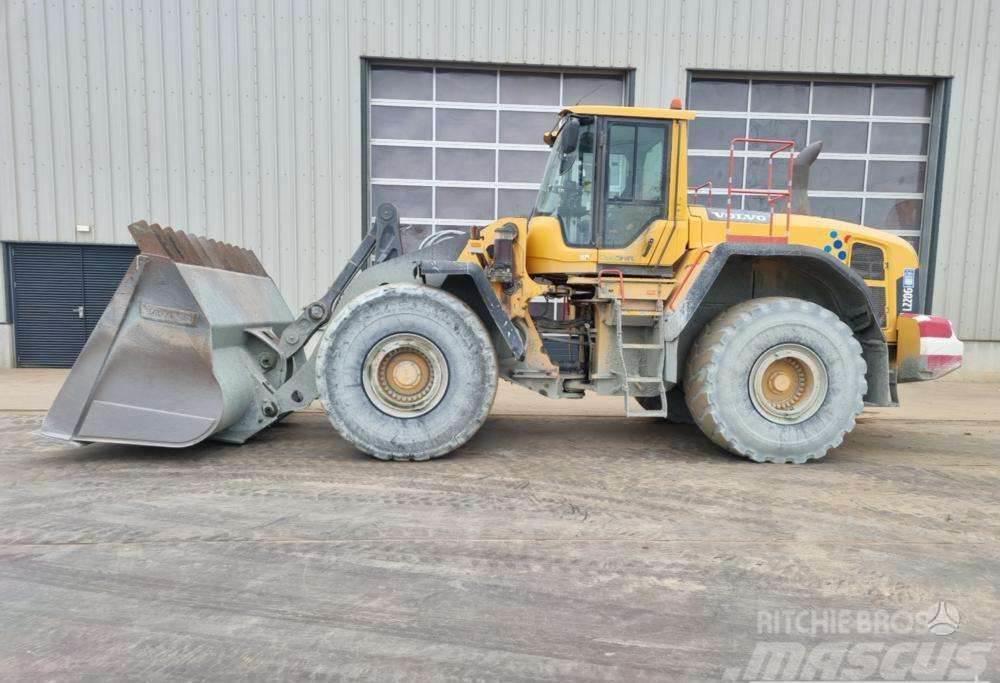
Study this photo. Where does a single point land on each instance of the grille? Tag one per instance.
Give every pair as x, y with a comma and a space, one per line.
564, 350
877, 296
868, 261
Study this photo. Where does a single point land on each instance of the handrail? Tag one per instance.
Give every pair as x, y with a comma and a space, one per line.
621, 279
770, 193
699, 188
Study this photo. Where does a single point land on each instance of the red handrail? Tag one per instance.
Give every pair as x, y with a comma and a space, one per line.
621, 280
770, 193
699, 188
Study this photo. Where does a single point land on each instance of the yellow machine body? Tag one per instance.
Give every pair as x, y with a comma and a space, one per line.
615, 283
662, 264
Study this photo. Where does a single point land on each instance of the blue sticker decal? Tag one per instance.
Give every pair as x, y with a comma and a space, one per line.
833, 233
828, 248
837, 244
842, 256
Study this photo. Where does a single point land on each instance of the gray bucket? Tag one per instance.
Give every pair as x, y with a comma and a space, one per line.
181, 354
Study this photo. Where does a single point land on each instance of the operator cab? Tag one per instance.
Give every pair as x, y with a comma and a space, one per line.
608, 197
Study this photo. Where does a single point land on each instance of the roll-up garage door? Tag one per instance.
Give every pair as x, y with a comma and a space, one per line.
876, 133
452, 146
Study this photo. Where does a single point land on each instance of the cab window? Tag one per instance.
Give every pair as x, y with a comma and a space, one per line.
567, 186
636, 176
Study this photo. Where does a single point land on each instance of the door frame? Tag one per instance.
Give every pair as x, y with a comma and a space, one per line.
600, 176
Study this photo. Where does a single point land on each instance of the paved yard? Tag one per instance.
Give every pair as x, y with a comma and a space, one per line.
571, 546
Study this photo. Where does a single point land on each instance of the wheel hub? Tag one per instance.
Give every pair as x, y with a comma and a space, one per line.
788, 384
405, 375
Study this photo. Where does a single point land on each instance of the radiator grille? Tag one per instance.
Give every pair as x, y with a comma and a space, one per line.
564, 350
868, 261
877, 296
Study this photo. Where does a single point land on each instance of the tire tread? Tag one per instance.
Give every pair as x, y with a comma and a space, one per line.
703, 365
416, 292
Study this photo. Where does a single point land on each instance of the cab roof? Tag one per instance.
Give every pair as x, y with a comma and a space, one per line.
629, 112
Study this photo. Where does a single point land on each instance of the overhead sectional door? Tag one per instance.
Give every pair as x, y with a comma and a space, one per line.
876, 143
453, 147
58, 293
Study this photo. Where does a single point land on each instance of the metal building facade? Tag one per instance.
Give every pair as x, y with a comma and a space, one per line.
244, 121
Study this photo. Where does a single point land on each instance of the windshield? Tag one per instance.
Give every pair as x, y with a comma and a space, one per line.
567, 187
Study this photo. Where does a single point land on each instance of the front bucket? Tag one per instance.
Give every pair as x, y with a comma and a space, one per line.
171, 362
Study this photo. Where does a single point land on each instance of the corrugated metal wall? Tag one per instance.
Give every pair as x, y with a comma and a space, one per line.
242, 120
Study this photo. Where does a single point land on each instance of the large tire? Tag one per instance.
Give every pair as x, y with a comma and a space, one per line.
754, 380
677, 410
427, 343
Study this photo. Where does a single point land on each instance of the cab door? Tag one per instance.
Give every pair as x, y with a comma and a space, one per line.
632, 221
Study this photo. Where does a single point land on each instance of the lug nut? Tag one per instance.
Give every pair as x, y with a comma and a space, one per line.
270, 409
266, 360
292, 338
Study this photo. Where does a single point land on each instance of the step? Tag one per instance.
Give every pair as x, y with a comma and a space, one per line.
637, 313
631, 345
646, 413
643, 380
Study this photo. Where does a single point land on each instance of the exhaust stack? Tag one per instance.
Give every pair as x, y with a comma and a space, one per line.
800, 177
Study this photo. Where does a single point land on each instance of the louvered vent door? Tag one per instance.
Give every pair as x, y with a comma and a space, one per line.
58, 293
48, 307
103, 269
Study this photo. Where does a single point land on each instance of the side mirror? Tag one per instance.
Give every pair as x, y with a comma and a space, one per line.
569, 137
568, 141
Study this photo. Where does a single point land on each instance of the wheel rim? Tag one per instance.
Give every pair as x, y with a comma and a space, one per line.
405, 375
788, 384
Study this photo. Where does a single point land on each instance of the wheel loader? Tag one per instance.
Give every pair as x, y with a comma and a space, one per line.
767, 327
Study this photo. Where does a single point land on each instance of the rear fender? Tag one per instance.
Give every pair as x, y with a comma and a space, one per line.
736, 272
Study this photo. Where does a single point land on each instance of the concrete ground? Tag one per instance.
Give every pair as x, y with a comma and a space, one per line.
562, 543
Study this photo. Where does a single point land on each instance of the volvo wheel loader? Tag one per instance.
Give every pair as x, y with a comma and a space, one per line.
769, 329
